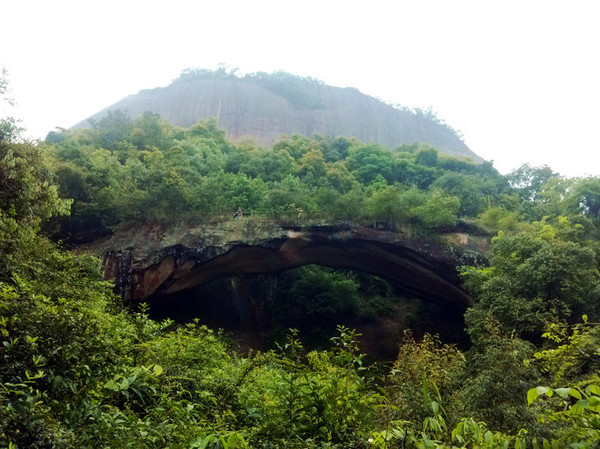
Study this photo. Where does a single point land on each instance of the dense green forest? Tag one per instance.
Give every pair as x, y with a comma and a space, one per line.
78, 369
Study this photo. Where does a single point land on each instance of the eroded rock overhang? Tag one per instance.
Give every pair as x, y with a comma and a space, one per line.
151, 263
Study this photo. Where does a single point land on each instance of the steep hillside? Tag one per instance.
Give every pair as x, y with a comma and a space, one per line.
264, 107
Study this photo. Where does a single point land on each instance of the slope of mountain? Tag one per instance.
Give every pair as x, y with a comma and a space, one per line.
263, 107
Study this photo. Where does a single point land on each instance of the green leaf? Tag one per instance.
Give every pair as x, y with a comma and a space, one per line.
534, 393
566, 392
593, 389
594, 401
575, 393
579, 407
139, 394
110, 385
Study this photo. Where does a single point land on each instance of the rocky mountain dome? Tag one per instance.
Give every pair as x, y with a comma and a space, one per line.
263, 107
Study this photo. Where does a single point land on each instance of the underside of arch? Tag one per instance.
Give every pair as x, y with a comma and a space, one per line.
411, 272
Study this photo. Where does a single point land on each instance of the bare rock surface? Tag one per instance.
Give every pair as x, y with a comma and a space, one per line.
245, 109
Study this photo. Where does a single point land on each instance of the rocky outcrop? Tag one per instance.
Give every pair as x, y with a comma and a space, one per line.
247, 109
151, 264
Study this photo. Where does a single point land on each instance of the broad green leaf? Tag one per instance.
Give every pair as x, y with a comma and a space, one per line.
594, 401
562, 392
575, 393
534, 393
488, 437
110, 385
579, 407
593, 389
566, 392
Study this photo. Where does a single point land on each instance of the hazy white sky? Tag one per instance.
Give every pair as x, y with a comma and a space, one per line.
520, 79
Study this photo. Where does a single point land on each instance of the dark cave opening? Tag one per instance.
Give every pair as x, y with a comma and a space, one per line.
257, 311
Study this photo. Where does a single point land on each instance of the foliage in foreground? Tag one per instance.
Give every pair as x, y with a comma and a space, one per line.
78, 372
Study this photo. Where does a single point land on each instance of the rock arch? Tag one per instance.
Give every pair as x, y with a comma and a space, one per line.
422, 269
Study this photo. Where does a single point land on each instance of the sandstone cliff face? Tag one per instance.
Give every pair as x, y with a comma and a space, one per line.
247, 109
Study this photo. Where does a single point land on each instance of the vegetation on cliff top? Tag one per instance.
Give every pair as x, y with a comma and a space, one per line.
79, 370
149, 170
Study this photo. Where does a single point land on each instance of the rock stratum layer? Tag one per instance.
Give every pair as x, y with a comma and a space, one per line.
248, 109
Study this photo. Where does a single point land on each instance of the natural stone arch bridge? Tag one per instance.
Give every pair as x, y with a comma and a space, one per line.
150, 264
